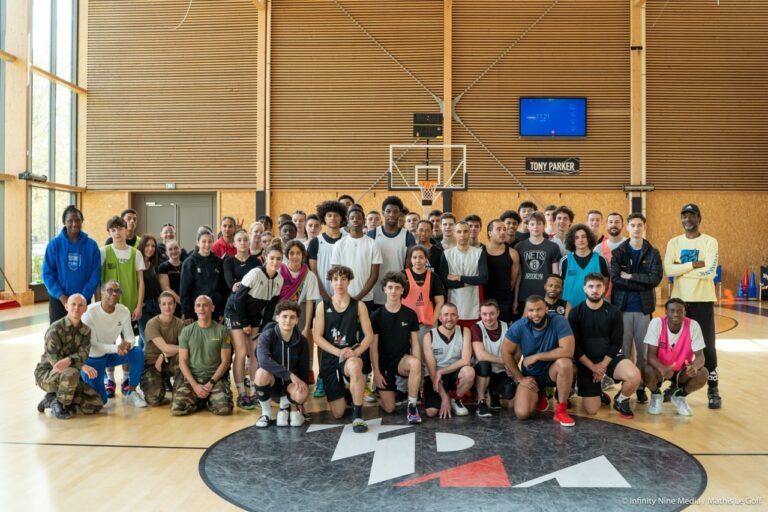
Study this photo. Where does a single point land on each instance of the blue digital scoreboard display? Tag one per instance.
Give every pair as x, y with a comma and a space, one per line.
553, 117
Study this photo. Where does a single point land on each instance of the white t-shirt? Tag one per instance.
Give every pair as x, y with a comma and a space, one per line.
654, 332
309, 291
465, 263
107, 328
393, 250
123, 255
359, 254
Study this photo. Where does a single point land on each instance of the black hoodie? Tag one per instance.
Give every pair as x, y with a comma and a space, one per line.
280, 358
201, 275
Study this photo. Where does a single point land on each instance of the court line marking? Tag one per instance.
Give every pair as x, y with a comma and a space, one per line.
730, 454
24, 443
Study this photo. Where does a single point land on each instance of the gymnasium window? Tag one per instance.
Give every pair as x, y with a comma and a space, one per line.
53, 120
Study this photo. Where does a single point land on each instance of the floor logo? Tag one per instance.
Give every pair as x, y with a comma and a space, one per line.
497, 464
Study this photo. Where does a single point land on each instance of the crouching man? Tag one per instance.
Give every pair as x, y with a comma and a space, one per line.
67, 342
283, 354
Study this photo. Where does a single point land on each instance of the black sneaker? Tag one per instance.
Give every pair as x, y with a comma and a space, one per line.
58, 410
45, 403
167, 384
605, 399
642, 396
668, 393
400, 398
623, 409
495, 403
483, 410
713, 394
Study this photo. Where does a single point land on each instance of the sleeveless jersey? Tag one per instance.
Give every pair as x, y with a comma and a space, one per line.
124, 272
447, 353
573, 281
418, 298
340, 328
493, 347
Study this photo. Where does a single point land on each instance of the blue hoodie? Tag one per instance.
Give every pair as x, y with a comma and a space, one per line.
72, 268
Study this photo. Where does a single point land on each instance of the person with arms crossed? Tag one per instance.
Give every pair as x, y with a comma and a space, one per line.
692, 259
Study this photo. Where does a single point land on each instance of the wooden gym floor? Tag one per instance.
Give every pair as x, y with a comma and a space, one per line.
144, 459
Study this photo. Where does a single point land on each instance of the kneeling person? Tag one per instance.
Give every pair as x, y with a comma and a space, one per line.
598, 329
544, 342
161, 354
67, 342
205, 351
448, 358
337, 323
282, 341
487, 337
675, 352
395, 348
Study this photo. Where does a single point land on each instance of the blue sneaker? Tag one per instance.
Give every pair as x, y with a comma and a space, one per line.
319, 389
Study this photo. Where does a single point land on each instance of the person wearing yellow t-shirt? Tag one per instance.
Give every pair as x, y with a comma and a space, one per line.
692, 259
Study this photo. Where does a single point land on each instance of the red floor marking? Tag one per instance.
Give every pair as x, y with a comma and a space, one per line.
488, 472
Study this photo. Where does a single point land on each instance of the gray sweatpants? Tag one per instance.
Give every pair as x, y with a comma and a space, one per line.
635, 327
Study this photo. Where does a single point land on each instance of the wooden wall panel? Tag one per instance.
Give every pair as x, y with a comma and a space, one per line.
336, 99
240, 204
707, 69
98, 207
169, 105
579, 48
287, 201
741, 239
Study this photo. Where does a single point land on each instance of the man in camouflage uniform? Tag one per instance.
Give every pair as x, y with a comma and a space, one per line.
67, 342
161, 353
205, 352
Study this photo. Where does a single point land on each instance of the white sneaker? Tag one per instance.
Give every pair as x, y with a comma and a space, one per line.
135, 399
657, 400
683, 409
458, 408
607, 383
297, 419
262, 422
283, 416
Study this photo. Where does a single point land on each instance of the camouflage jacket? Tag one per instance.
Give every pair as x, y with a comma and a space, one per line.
62, 340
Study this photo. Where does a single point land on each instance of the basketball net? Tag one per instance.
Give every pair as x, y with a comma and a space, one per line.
428, 188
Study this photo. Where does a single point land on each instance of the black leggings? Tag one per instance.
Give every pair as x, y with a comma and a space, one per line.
704, 314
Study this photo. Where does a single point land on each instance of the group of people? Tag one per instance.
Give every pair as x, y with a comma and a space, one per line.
396, 308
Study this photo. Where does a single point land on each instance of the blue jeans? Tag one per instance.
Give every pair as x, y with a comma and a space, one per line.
134, 358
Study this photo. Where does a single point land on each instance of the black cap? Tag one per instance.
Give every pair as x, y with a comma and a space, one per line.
691, 208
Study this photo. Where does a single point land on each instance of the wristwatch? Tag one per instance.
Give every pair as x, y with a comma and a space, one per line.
212, 382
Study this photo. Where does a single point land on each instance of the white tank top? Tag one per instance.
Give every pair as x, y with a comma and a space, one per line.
494, 347
466, 298
447, 353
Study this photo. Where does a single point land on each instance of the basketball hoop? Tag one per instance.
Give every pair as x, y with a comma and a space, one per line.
427, 188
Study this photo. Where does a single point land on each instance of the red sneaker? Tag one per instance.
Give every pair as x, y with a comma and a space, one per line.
543, 403
562, 416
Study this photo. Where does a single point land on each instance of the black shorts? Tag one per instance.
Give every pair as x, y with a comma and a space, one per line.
278, 389
587, 388
431, 399
390, 376
233, 324
543, 381
502, 385
335, 381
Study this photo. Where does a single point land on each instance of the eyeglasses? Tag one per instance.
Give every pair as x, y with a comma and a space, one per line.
113, 291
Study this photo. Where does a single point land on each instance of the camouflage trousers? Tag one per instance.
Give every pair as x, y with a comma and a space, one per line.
185, 401
152, 380
69, 389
